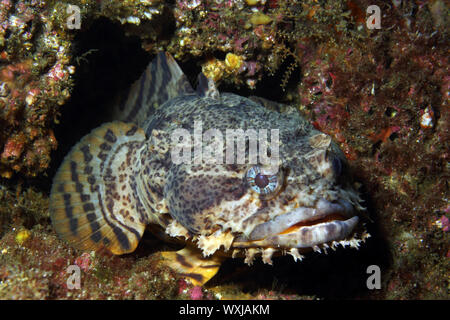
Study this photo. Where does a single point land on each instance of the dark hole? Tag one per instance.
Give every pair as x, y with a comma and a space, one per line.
375, 147
393, 136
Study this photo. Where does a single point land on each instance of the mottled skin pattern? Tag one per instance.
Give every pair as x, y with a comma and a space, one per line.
121, 177
210, 198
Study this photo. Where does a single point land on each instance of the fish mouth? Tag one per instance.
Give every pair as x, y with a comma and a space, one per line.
304, 227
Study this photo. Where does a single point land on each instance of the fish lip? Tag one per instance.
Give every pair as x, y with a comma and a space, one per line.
272, 232
308, 237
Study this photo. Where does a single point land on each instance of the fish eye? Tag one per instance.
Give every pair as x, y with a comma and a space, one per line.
263, 181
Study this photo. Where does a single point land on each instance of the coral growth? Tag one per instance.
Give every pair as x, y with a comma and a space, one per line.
36, 68
34, 82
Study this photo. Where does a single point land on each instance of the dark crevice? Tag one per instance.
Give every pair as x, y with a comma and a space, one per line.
107, 62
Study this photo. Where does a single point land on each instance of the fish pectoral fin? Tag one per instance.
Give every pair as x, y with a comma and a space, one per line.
190, 264
93, 203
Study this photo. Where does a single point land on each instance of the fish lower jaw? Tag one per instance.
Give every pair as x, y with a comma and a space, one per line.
304, 234
304, 227
267, 251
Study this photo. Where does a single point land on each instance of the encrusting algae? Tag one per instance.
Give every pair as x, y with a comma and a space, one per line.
22, 236
214, 69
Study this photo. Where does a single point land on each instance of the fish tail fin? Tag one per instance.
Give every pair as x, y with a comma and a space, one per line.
93, 201
161, 81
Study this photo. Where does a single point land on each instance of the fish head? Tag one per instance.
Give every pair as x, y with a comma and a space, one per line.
300, 199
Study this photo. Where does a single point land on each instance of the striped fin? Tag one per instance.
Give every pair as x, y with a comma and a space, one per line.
93, 201
269, 104
190, 264
161, 81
